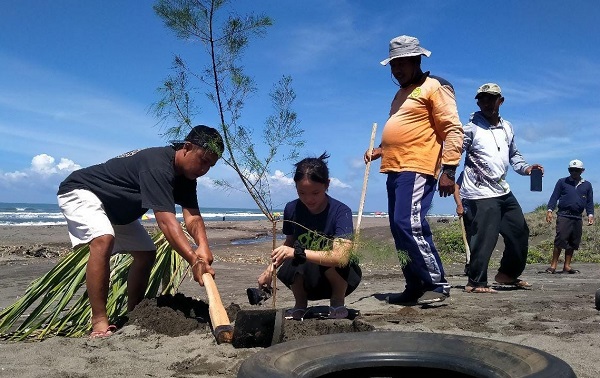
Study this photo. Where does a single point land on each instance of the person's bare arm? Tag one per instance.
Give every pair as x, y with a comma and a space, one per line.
174, 234
266, 278
459, 206
448, 126
339, 255
197, 229
374, 155
446, 185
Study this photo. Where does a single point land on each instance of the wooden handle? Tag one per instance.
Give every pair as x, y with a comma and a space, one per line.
464, 236
221, 325
366, 178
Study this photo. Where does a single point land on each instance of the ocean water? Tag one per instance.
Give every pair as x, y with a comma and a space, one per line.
44, 214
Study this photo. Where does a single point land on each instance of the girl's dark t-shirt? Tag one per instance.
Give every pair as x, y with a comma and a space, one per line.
334, 221
316, 232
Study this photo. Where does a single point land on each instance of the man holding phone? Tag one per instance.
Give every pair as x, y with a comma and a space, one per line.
536, 180
573, 194
490, 208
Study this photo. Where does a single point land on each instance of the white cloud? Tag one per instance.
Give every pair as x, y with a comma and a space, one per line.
207, 182
43, 164
42, 167
14, 176
336, 183
67, 165
280, 179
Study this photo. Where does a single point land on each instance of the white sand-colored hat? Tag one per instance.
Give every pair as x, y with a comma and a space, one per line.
403, 46
489, 88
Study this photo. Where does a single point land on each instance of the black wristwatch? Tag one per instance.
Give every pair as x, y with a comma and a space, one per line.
450, 171
299, 254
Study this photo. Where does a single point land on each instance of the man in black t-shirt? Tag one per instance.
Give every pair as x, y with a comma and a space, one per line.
103, 204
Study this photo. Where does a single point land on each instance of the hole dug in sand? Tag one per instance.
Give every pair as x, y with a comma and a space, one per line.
179, 315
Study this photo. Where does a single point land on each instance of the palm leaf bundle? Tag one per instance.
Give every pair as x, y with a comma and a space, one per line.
60, 303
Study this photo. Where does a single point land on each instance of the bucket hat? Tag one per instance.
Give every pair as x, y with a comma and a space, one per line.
404, 46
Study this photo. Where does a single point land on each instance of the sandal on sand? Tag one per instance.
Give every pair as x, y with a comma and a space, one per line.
295, 313
550, 270
570, 271
102, 334
481, 289
517, 283
503, 279
340, 312
520, 283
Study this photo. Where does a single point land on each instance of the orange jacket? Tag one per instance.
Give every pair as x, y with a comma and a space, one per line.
423, 131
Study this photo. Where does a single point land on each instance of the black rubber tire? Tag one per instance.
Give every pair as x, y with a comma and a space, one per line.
463, 355
598, 299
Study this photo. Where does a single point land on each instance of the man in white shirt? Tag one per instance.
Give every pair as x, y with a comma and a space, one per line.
490, 207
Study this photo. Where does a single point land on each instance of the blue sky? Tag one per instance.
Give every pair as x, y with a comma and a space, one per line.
77, 79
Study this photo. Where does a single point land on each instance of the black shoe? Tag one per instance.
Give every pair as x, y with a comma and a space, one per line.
430, 297
404, 298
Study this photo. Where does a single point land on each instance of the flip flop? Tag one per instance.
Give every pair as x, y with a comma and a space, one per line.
511, 282
571, 271
479, 290
295, 313
550, 270
518, 283
340, 312
102, 334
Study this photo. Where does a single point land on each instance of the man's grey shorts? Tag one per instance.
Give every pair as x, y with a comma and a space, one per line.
87, 220
568, 232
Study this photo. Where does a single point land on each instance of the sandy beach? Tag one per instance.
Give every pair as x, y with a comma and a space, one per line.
557, 315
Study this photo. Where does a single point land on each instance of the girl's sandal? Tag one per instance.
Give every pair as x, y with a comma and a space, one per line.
102, 334
340, 312
295, 313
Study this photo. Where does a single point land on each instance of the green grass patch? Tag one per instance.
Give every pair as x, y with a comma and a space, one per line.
448, 240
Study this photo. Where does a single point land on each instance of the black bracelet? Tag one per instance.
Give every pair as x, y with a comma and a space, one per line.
450, 171
299, 254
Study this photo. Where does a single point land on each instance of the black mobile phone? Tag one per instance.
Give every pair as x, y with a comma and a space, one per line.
536, 180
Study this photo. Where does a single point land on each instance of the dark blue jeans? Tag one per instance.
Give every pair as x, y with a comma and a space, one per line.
409, 199
487, 218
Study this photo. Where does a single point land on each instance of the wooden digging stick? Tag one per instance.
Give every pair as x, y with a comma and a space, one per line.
274, 275
221, 326
464, 236
364, 188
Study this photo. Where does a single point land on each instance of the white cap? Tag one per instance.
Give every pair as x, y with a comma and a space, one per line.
576, 164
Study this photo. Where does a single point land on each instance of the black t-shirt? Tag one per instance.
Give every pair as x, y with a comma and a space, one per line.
132, 183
